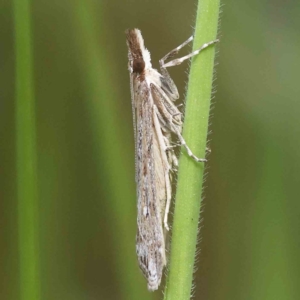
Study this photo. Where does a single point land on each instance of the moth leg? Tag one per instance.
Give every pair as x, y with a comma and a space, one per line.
168, 203
170, 153
169, 122
178, 61
189, 151
175, 51
163, 148
167, 81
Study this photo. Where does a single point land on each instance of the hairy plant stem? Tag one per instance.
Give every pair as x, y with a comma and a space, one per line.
190, 175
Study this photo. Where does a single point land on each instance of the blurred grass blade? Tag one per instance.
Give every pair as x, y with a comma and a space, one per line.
111, 146
26, 155
190, 176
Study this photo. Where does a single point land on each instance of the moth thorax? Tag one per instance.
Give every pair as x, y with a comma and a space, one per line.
138, 65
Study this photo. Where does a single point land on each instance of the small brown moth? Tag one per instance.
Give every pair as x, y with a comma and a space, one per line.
155, 119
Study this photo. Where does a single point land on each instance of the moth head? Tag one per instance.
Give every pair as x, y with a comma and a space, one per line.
138, 65
139, 56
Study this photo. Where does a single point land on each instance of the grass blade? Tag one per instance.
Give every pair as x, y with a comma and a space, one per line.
190, 176
26, 155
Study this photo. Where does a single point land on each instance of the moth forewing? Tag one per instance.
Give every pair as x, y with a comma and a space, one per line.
151, 191
151, 164
156, 118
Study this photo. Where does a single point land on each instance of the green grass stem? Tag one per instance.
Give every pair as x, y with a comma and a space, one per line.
190, 175
26, 155
111, 142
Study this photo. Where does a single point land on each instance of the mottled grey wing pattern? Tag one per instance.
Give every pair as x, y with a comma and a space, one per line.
150, 237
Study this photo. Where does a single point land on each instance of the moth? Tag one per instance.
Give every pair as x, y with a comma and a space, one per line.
156, 120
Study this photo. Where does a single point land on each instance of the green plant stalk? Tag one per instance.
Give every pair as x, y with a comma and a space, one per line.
27, 194
190, 175
111, 145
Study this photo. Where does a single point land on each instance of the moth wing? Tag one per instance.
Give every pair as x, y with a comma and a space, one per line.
150, 245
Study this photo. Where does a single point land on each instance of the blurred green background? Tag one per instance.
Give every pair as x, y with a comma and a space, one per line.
86, 216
